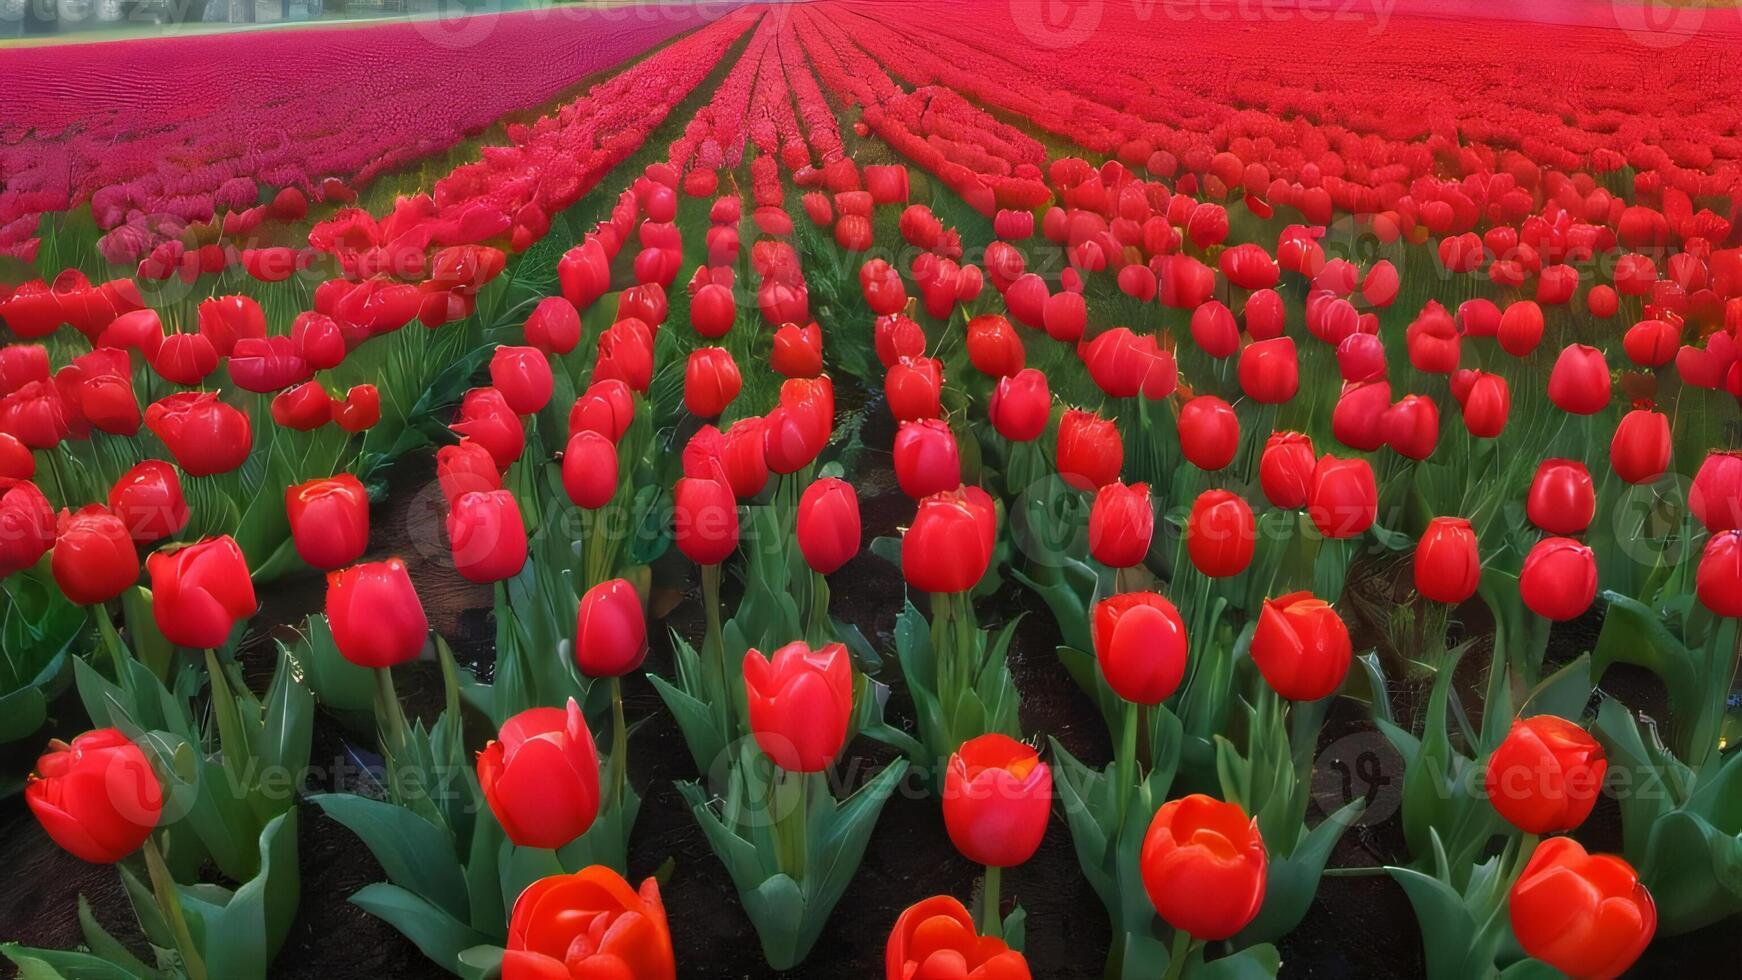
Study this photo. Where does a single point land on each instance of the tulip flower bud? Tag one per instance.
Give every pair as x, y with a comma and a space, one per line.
828, 524
1487, 405
1141, 645
1412, 426
486, 419
1285, 469
1361, 357
711, 381
329, 520
1301, 646
94, 559
523, 376
913, 388
1209, 432
927, 460
1358, 420
743, 457
96, 797
937, 937
706, 517
148, 499
487, 535
1640, 451
1562, 498
1545, 775
1269, 371
1579, 383
1220, 534
376, 616
607, 407
1718, 581
590, 923
206, 436
1121, 523
589, 469
1433, 341
554, 327
800, 701
1343, 499
1715, 498
1585, 915
997, 797
797, 351
1520, 328
541, 777
1203, 865
360, 409
949, 545
1559, 579
1090, 450
1447, 565
1214, 330
200, 592
28, 523
610, 630
994, 348
1021, 405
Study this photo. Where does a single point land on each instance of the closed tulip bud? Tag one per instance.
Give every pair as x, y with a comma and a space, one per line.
800, 701
997, 798
97, 797
523, 376
554, 326
541, 777
1358, 420
710, 381
1715, 498
16, 459
360, 409
1301, 646
1579, 383
1221, 533
1412, 426
798, 351
1209, 432
994, 347
828, 524
896, 337
487, 535
1090, 450
1361, 357
610, 630
706, 517
1487, 405
486, 419
318, 340
148, 499
375, 614
1269, 371
607, 407
1203, 865
1141, 645
913, 388
1343, 499
1285, 469
589, 470
1586, 915
927, 460
937, 938
1562, 498
1214, 330
1545, 775
1065, 316
206, 436
94, 559
200, 592
1433, 340
1718, 582
590, 923
464, 467
1640, 450
881, 284
949, 545
1652, 343
1121, 523
303, 408
329, 520
1559, 579
27, 527
1447, 565
743, 457
1520, 328
1021, 405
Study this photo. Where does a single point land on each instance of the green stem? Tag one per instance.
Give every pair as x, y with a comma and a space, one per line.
714, 651
1125, 761
795, 823
229, 725
112, 640
1178, 953
163, 887
819, 627
619, 744
991, 924
389, 715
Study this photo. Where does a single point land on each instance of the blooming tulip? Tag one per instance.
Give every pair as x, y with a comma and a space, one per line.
1433, 340
523, 376
1412, 426
913, 388
27, 527
1358, 420
1715, 498
710, 382
997, 797
205, 435
554, 326
1090, 450
589, 470
949, 544
1559, 578
1301, 646
743, 457
706, 516
607, 407
486, 419
800, 701
936, 938
541, 777
927, 460
1487, 405
994, 348
610, 630
148, 499
375, 614
590, 923
828, 526
1545, 775
1209, 432
199, 592
1583, 914
1021, 405
1203, 865
487, 535
1640, 450
94, 559
329, 520
798, 350
799, 427
96, 797
1562, 499
1269, 371
1220, 533
1343, 499
1447, 565
1141, 645
303, 408
1579, 383
1285, 469
1121, 523
1718, 581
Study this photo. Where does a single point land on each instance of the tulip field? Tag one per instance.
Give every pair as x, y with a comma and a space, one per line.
995, 489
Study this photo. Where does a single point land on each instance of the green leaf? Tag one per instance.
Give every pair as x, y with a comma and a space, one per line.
417, 855
59, 964
1448, 933
439, 935
106, 946
1292, 882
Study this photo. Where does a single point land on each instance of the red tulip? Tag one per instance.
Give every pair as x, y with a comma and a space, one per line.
1715, 497
1434, 342
1065, 316
607, 407
227, 319
1301, 646
1343, 499
913, 388
1412, 426
1209, 432
1090, 450
828, 524
98, 797
994, 347
1559, 579
94, 559
1203, 865
712, 310
375, 614
927, 460
1220, 534
797, 429
881, 284
1141, 645
185, 358
589, 924
206, 436
1545, 776
589, 470
359, 410
27, 527
625, 352
541, 777
319, 340
1214, 330
464, 467
1269, 371
1358, 420
1585, 915
1487, 405
1447, 565
554, 327
1718, 582
710, 381
329, 520
798, 351
1021, 405
1640, 451
1652, 343
896, 337
486, 419
1520, 328
610, 630
949, 544
1361, 357
1285, 470
523, 376
16, 460
1579, 382
1121, 523
706, 516
199, 592
800, 702
148, 499
1562, 498
936, 938
743, 457
997, 798
303, 408
487, 535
